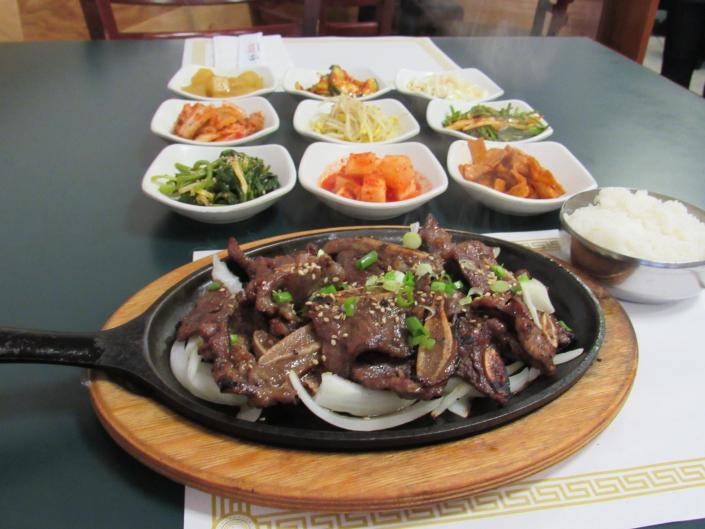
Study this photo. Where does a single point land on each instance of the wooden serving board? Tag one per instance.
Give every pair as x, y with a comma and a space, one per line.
365, 481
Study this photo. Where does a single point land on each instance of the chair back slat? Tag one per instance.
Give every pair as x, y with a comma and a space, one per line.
102, 23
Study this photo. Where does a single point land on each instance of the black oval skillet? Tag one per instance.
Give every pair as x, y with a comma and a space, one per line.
139, 349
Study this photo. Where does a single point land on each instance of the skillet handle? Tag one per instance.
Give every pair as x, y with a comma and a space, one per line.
46, 347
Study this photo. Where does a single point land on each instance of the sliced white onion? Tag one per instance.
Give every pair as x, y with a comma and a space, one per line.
339, 394
361, 424
522, 379
536, 298
222, 273
514, 367
461, 389
414, 227
495, 251
567, 356
199, 383
461, 407
249, 413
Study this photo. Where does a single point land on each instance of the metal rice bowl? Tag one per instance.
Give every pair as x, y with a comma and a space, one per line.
630, 278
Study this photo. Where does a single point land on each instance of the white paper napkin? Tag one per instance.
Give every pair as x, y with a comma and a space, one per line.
647, 467
238, 51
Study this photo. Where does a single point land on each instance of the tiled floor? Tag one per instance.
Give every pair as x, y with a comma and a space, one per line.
654, 54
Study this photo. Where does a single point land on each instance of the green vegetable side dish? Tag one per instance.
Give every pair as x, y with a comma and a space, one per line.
504, 124
233, 178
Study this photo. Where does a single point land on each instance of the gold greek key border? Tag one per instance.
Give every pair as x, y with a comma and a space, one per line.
521, 497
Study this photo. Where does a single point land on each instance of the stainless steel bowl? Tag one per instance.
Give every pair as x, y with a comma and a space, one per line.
630, 278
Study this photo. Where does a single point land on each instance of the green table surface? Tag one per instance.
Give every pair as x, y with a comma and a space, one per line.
79, 237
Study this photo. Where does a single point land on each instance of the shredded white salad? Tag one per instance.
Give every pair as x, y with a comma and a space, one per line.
346, 404
446, 86
355, 121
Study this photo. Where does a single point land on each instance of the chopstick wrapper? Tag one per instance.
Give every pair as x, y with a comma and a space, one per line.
646, 467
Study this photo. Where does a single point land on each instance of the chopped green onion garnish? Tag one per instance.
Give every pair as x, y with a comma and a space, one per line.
215, 285
422, 341
320, 253
458, 285
500, 286
282, 296
405, 297
328, 289
564, 325
438, 286
414, 325
465, 301
349, 306
411, 240
409, 280
233, 339
498, 270
367, 260
523, 277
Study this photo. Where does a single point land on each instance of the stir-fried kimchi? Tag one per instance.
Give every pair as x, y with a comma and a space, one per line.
201, 122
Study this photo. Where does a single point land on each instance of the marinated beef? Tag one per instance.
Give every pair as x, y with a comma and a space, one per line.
265, 381
479, 361
209, 319
537, 348
380, 372
377, 324
336, 321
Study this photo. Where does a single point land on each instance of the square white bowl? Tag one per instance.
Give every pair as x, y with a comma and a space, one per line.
470, 75
566, 169
308, 110
165, 117
276, 156
308, 77
320, 159
438, 109
183, 77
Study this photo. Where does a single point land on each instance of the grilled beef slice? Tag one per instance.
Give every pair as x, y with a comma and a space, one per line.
390, 256
479, 361
300, 274
379, 372
209, 319
265, 380
377, 324
537, 348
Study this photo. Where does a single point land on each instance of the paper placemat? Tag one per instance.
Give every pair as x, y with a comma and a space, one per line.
383, 55
647, 467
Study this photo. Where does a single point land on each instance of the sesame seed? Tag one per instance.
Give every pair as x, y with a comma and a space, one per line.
333, 342
326, 319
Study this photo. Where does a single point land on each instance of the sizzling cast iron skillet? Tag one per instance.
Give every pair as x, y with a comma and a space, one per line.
140, 348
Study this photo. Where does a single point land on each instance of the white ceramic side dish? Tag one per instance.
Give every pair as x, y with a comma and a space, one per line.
308, 111
566, 169
276, 156
472, 76
182, 78
321, 159
438, 109
165, 117
308, 77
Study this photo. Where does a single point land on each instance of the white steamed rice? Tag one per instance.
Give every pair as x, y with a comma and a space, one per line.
641, 226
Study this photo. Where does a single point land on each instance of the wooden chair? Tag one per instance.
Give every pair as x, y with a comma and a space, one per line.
102, 24
374, 18
558, 9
